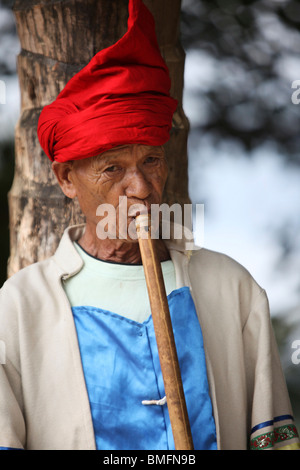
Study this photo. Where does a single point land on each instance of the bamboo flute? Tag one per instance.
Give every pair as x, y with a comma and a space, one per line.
164, 336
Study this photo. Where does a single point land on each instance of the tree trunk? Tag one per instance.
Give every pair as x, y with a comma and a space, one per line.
57, 39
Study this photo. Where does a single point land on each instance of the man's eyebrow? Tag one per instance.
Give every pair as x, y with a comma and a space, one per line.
156, 150
109, 155
106, 157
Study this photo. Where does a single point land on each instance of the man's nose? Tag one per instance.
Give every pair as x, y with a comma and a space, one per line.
136, 185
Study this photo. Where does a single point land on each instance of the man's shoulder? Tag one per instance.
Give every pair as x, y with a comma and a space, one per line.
30, 279
64, 261
225, 287
220, 269
214, 260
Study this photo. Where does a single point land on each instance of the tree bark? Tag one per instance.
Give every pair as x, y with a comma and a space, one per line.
57, 39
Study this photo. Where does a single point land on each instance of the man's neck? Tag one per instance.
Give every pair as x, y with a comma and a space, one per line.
119, 251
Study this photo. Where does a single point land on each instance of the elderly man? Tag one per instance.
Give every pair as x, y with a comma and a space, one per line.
82, 368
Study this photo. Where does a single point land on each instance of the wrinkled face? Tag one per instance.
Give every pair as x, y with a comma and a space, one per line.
135, 172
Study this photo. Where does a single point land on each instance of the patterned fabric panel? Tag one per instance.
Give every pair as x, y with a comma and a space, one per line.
279, 433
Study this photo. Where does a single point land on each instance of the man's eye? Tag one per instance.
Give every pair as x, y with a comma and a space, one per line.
151, 160
111, 169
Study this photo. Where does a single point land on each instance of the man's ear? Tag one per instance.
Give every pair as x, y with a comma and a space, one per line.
63, 173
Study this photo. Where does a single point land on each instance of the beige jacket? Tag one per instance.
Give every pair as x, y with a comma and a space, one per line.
43, 397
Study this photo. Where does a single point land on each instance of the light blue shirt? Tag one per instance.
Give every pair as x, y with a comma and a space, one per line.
120, 358
119, 288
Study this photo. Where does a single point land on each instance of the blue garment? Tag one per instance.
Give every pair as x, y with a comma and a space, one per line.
10, 448
121, 367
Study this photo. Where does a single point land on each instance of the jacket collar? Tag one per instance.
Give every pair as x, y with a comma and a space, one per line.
66, 255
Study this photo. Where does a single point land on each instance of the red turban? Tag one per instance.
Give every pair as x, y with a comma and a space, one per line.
120, 97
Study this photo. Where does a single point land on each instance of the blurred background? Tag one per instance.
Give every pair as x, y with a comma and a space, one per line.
242, 59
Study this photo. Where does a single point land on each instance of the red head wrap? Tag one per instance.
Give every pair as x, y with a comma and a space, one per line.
120, 97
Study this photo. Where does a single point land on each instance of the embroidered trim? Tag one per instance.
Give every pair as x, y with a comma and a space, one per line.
270, 439
271, 422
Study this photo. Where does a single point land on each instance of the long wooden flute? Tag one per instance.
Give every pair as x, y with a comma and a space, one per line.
164, 336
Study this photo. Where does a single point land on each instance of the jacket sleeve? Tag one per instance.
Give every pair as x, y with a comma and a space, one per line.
12, 423
272, 423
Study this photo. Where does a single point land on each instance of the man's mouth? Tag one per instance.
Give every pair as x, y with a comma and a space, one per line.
138, 209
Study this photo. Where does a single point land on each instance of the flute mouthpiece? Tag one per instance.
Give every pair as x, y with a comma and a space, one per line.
143, 225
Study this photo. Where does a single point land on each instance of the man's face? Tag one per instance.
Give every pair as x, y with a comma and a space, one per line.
135, 172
